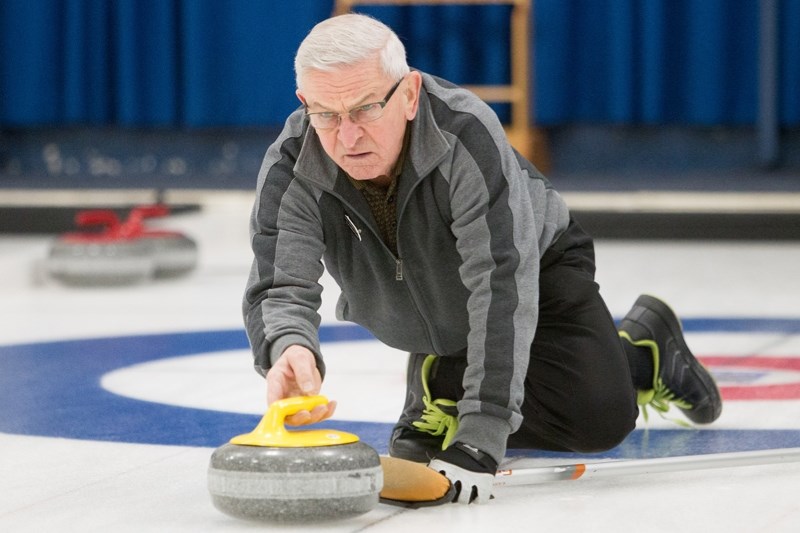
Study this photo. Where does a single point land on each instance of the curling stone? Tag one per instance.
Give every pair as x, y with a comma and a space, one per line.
276, 475
174, 254
120, 253
110, 256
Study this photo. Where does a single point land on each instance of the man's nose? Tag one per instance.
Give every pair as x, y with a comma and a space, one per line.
349, 132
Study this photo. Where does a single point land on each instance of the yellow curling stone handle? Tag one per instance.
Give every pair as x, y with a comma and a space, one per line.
272, 432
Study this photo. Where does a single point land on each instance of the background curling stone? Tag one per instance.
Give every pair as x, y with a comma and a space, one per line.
109, 256
120, 253
172, 252
273, 474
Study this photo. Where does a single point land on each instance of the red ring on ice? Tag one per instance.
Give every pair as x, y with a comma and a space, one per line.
780, 391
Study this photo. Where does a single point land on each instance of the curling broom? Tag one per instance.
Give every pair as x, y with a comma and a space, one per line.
412, 484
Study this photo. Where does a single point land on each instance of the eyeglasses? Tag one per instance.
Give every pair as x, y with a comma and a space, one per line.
326, 120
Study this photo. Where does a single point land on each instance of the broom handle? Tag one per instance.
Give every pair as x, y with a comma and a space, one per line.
545, 474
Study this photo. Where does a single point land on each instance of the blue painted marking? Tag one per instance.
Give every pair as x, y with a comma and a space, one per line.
645, 444
52, 389
741, 325
730, 377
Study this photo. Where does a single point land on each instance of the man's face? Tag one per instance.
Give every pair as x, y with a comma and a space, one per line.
367, 150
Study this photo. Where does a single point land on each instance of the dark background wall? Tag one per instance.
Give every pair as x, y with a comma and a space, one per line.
200, 63
188, 93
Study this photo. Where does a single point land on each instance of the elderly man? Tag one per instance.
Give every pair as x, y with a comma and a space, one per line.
446, 243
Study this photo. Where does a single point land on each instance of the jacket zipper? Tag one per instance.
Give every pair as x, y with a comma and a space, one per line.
398, 271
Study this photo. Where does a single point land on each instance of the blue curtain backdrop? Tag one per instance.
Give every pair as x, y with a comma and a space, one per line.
199, 63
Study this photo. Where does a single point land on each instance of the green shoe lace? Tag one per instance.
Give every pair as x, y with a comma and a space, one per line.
660, 397
436, 420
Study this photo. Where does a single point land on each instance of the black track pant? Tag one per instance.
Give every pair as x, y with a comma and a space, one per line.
578, 390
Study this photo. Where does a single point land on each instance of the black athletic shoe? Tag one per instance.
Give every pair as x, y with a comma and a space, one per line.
413, 445
427, 426
679, 378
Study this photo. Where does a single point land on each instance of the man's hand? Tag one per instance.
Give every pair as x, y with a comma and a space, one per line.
295, 374
469, 470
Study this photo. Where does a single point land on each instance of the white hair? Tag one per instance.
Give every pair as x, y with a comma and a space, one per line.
347, 40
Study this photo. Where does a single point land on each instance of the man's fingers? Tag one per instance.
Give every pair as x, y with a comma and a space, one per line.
294, 374
300, 418
307, 378
322, 412
274, 391
301, 368
317, 414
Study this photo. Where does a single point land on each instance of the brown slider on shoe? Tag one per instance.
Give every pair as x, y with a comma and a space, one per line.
410, 484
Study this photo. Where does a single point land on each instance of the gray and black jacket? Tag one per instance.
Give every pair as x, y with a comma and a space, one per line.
473, 220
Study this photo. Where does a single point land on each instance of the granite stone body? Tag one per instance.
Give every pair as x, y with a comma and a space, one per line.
306, 484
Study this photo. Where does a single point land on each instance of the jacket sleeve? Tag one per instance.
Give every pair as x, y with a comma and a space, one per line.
283, 293
494, 221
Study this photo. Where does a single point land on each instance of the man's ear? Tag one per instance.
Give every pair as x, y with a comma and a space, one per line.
411, 92
301, 98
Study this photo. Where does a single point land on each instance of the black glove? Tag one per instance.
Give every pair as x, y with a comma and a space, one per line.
469, 470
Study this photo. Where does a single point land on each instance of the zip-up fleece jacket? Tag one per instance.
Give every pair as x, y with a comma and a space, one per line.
473, 220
